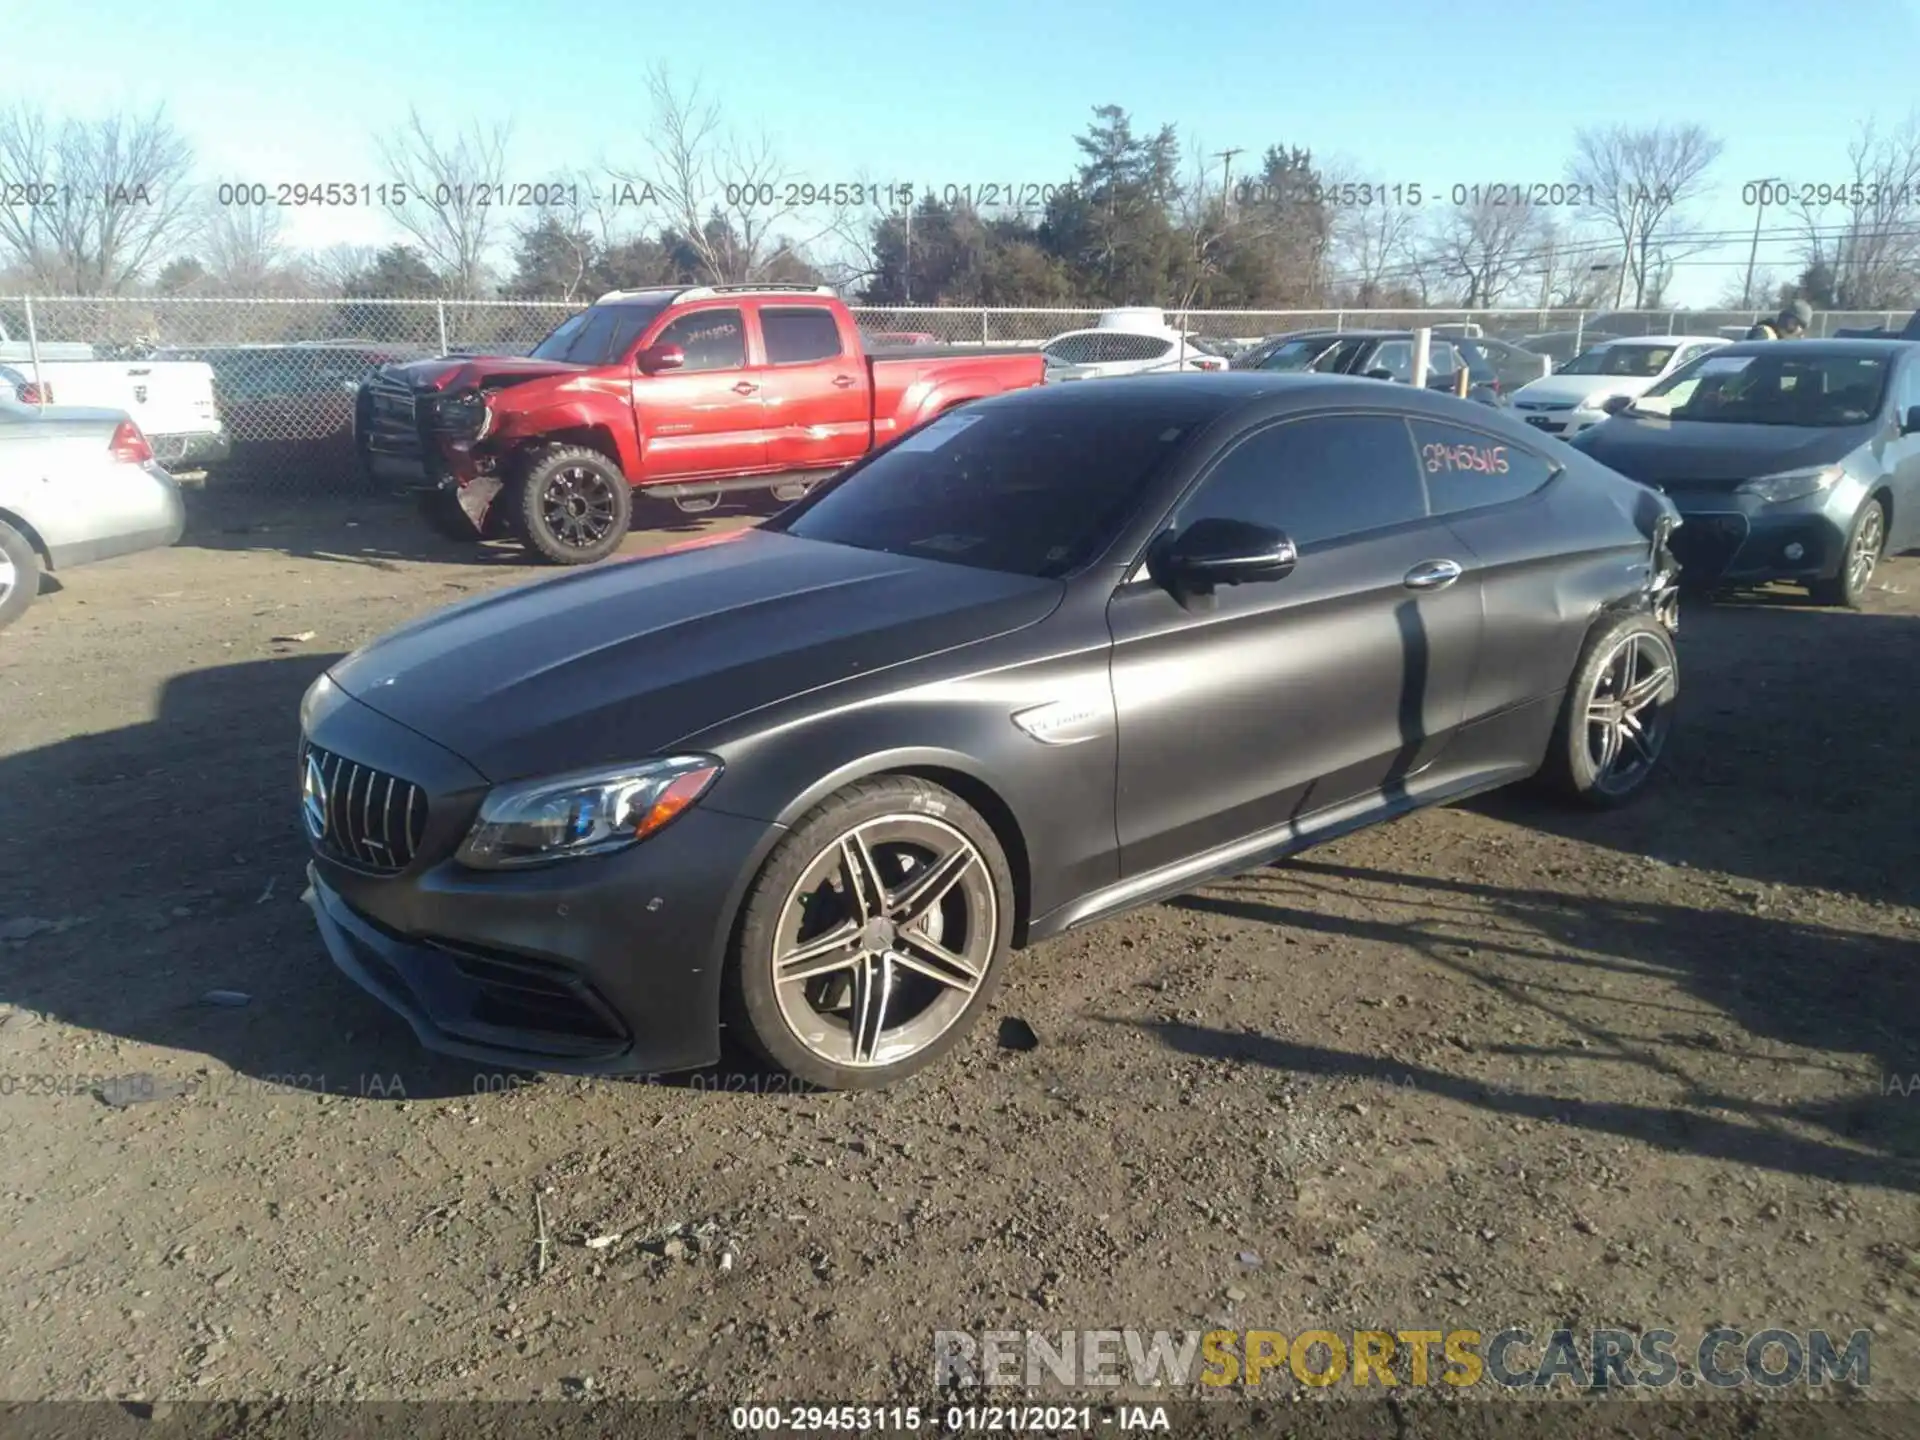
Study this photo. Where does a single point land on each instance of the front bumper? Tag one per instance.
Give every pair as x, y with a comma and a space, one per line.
1564, 423
193, 450
608, 965
1735, 540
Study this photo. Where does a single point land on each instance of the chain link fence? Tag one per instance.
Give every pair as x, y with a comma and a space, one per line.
285, 370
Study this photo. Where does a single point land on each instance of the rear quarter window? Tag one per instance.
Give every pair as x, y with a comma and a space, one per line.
1468, 469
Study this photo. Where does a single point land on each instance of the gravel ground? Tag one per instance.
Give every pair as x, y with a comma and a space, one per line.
1498, 1064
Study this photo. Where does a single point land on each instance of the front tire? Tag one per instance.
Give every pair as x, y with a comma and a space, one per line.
1866, 540
19, 575
572, 505
1617, 714
873, 938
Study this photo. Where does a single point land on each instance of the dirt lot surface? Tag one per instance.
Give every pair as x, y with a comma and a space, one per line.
1493, 1065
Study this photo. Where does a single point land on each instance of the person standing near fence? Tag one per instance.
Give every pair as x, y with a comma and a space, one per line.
1790, 324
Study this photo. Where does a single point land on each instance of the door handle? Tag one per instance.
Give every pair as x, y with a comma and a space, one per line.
745, 387
843, 381
1433, 575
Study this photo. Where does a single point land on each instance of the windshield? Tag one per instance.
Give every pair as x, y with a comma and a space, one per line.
1784, 386
1296, 354
1026, 489
599, 336
1641, 361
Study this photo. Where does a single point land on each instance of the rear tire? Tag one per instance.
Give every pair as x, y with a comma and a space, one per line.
1617, 714
19, 575
1866, 542
911, 974
571, 505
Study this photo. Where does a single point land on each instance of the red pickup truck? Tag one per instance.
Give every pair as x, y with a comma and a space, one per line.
681, 393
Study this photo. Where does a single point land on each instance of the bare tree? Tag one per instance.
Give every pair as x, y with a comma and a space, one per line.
1873, 253
332, 268
1371, 247
94, 202
1486, 248
244, 248
725, 196
1639, 183
1561, 274
448, 195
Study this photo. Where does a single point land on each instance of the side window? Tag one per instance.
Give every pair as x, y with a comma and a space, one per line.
796, 334
1318, 480
1442, 359
1396, 358
1467, 469
1907, 389
1073, 350
712, 339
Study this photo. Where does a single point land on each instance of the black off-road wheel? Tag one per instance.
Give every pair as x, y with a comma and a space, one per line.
1617, 715
570, 505
1866, 541
19, 574
873, 938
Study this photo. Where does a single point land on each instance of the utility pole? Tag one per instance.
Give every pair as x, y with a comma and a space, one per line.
906, 277
1626, 252
1753, 250
1546, 274
1225, 157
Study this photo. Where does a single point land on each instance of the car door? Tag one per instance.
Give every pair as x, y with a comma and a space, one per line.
705, 418
813, 389
1286, 697
1498, 497
1902, 460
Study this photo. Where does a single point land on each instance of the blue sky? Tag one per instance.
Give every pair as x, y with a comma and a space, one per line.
988, 90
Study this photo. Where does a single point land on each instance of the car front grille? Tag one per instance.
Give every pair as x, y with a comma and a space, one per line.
360, 816
393, 424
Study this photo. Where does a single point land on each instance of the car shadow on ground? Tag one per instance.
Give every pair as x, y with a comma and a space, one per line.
381, 530
1791, 760
186, 894
1783, 983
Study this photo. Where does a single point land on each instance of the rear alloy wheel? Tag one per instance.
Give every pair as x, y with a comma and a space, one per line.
874, 937
19, 574
574, 506
1865, 541
1618, 713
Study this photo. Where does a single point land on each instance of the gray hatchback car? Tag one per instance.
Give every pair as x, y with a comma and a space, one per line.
1790, 460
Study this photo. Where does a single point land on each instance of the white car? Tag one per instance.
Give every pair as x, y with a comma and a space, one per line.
1574, 397
1125, 342
76, 485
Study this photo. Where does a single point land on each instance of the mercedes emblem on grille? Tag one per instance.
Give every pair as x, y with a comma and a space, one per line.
140, 394
313, 799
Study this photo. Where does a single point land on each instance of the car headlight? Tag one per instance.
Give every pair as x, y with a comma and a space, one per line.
465, 414
1791, 484
589, 813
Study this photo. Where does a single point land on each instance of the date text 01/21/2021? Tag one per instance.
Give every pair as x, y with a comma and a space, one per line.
952, 1419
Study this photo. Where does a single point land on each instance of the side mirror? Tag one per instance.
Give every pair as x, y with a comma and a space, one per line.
1221, 552
1910, 422
1614, 404
656, 359
1379, 375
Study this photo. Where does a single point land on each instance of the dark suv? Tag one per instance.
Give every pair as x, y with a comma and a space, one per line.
1388, 355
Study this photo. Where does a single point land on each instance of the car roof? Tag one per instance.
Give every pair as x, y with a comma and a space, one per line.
1862, 349
1614, 340
1203, 396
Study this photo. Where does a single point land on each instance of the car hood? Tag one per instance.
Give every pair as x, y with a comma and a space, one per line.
628, 658
461, 372
1701, 455
1571, 389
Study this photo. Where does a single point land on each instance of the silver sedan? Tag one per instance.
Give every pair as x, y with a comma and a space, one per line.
76, 485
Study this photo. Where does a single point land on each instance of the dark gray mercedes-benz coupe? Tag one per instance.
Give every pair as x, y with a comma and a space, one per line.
1049, 657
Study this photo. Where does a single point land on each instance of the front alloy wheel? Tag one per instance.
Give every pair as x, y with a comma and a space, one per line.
574, 504
1865, 541
874, 935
